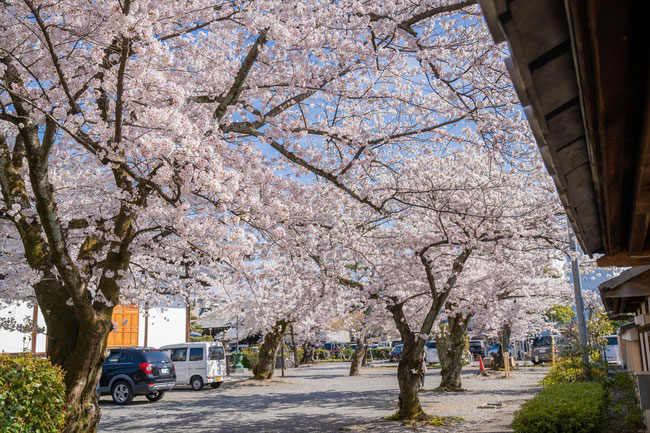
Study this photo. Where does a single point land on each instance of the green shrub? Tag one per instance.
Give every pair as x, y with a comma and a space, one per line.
381, 353
625, 410
32, 395
251, 358
568, 368
579, 407
347, 353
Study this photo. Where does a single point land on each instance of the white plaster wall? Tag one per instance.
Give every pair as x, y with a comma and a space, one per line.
13, 341
166, 326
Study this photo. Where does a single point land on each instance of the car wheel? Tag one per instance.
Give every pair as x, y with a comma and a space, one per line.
197, 383
122, 392
155, 396
216, 385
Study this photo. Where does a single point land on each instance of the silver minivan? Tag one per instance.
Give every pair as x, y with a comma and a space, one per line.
198, 364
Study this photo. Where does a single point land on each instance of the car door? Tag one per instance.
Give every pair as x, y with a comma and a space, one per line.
110, 367
179, 358
196, 363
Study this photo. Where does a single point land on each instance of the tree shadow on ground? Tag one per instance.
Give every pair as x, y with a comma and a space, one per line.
278, 412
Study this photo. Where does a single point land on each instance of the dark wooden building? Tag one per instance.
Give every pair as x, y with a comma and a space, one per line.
580, 68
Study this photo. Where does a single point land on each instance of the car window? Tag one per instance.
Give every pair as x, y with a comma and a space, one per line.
542, 341
125, 357
612, 341
113, 358
179, 354
155, 356
431, 344
196, 354
215, 353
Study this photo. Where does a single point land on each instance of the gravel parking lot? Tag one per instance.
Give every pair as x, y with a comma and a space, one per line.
322, 399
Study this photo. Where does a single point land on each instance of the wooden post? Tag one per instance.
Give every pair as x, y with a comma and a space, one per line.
34, 328
506, 362
188, 311
146, 324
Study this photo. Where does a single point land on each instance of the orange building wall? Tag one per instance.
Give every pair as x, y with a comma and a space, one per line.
125, 323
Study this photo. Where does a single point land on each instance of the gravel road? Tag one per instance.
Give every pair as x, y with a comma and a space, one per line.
323, 399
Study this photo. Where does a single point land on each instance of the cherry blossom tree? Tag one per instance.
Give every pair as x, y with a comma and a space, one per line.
461, 213
135, 138
506, 296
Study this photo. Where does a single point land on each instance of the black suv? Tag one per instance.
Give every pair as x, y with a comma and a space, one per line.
132, 371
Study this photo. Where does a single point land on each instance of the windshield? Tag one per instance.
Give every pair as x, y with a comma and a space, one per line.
216, 353
612, 341
431, 344
398, 348
542, 341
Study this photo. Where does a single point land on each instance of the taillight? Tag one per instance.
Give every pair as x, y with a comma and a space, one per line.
146, 367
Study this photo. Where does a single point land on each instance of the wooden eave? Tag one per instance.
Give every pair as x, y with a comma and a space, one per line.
625, 292
580, 69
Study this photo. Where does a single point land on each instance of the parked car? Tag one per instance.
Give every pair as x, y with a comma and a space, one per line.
198, 364
478, 347
431, 356
395, 343
493, 351
544, 348
612, 354
396, 353
132, 371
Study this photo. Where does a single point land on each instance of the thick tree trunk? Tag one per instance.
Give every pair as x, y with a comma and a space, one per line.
358, 356
269, 351
78, 345
408, 378
308, 353
504, 343
295, 349
451, 345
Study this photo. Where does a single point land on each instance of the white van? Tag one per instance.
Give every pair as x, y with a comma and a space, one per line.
431, 356
198, 363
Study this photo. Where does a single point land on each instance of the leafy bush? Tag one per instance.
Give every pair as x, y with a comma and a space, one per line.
381, 353
322, 354
347, 353
578, 407
31, 395
625, 411
251, 358
568, 368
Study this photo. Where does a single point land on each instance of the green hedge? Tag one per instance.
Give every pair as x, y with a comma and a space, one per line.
32, 395
579, 407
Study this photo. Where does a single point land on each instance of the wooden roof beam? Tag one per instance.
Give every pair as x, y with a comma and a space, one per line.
641, 204
623, 260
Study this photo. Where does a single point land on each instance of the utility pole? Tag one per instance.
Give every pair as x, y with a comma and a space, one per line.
580, 307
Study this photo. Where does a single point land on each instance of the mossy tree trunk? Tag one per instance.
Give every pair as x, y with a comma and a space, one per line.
358, 356
452, 344
308, 353
269, 351
77, 323
504, 344
409, 367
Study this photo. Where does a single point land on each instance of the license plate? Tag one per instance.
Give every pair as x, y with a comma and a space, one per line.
536, 358
164, 371
217, 379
